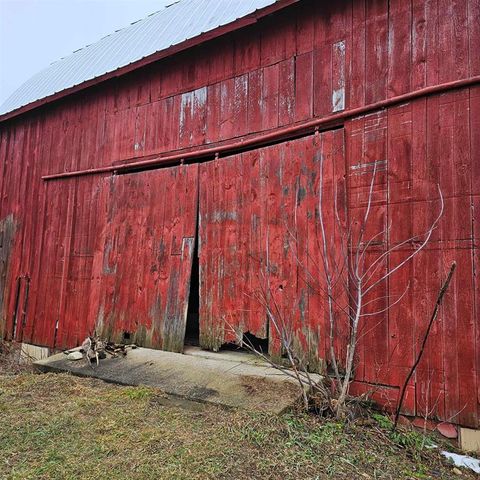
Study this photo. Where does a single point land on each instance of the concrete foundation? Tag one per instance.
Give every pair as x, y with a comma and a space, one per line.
231, 379
30, 352
470, 440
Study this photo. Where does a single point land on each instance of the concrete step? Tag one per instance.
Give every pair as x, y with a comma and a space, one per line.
231, 379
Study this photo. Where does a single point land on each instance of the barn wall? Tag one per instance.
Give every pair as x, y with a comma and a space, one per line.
310, 60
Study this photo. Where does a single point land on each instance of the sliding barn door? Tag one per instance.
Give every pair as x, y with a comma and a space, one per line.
259, 243
116, 258
147, 251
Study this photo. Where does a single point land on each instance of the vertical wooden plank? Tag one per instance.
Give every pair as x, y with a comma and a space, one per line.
376, 41
338, 76
221, 61
322, 79
278, 40
5, 327
213, 112
139, 139
399, 48
428, 274
419, 44
475, 201
270, 100
329, 168
247, 50
274, 163
38, 236
310, 304
240, 105
254, 179
200, 115
193, 108
172, 122
304, 86
453, 40
186, 120
158, 125
462, 407
432, 41
255, 100
286, 96
305, 27
473, 7
205, 244
227, 119
356, 86
157, 78
430, 391
151, 125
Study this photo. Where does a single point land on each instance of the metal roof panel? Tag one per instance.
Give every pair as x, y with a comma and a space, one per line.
166, 28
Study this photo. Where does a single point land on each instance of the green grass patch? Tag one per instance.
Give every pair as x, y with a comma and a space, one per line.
62, 427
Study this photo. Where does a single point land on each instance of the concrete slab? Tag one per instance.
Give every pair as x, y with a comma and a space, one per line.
231, 379
470, 440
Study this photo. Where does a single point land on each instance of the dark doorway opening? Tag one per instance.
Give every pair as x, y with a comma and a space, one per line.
250, 343
192, 332
256, 343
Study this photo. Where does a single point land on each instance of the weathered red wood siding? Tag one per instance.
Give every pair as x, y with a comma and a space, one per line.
80, 253
258, 231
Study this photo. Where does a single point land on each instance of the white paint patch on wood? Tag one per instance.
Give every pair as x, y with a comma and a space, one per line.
338, 76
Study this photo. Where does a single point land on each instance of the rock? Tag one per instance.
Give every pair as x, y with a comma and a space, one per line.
456, 471
447, 430
74, 356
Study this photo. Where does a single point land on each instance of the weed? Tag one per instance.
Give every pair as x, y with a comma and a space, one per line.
405, 438
138, 393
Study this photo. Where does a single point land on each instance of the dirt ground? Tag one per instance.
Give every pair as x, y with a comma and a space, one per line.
63, 427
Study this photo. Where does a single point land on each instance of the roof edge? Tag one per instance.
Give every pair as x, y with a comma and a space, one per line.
187, 44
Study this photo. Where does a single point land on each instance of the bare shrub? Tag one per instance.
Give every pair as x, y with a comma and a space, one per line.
350, 283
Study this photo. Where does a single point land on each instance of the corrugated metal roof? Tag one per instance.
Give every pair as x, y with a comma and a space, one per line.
171, 26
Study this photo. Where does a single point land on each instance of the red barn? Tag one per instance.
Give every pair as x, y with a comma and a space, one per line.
150, 181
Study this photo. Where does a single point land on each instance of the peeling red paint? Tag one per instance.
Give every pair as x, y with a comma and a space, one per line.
114, 252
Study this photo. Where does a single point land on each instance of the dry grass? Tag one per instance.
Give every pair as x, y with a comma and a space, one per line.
62, 427
11, 361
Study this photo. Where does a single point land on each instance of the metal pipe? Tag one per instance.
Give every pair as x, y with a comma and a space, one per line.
271, 136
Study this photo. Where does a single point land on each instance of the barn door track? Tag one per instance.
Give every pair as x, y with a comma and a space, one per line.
230, 379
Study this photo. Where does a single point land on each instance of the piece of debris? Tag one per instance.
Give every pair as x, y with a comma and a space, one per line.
447, 430
74, 356
94, 348
456, 471
424, 424
463, 461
